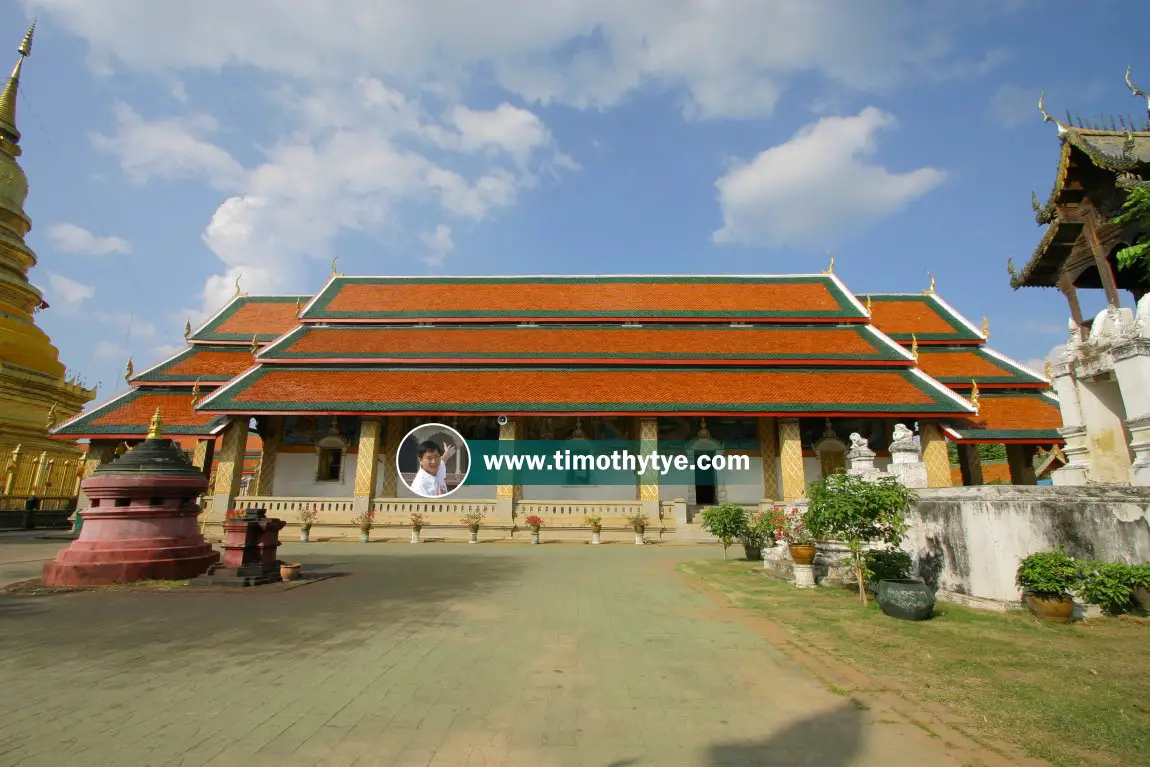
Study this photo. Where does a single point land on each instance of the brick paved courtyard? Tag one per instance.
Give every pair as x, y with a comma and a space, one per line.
439, 654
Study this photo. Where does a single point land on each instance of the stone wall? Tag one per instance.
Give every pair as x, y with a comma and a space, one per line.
968, 541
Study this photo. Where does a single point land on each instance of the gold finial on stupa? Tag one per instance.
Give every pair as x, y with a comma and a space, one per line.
703, 433
985, 326
914, 346
1048, 370
869, 306
129, 371
974, 395
930, 291
188, 328
239, 290
255, 344
155, 429
830, 267
196, 391
12, 88
52, 416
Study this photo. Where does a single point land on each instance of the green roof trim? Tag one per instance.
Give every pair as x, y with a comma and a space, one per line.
948, 315
283, 351
992, 435
318, 310
231, 399
209, 331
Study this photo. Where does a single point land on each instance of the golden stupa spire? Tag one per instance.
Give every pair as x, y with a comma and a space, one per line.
12, 88
155, 429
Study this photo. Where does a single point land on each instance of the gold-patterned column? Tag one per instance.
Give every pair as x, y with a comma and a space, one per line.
230, 466
791, 459
934, 454
508, 433
38, 476
271, 436
769, 450
647, 485
395, 433
204, 455
366, 462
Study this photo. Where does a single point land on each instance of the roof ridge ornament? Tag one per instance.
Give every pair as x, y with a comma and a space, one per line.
985, 326
129, 371
255, 348
187, 328
869, 306
914, 346
1137, 92
239, 291
830, 267
1010, 268
1048, 371
974, 396
1046, 118
196, 391
929, 291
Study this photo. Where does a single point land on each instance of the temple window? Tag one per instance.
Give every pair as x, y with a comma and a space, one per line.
330, 464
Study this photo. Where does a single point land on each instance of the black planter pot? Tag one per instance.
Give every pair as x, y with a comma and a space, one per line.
753, 553
908, 599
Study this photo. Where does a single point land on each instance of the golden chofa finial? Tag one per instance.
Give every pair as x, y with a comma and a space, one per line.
929, 291
974, 396
187, 328
334, 271
1046, 118
255, 349
1138, 92
239, 291
196, 392
129, 371
52, 416
155, 429
830, 267
298, 306
869, 306
1048, 370
985, 326
914, 346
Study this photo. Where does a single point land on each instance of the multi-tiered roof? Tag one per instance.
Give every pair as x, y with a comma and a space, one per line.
620, 345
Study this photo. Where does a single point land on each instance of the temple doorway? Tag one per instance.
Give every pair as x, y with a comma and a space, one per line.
704, 482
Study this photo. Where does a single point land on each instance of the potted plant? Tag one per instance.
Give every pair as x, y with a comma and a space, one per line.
859, 511
885, 565
1047, 579
416, 526
307, 518
365, 522
289, 572
638, 523
534, 522
727, 521
473, 519
888, 577
596, 525
1140, 583
789, 526
759, 531
1110, 585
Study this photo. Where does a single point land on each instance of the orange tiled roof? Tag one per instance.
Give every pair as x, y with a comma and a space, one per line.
559, 390
206, 363
811, 298
265, 317
130, 415
1012, 417
586, 344
959, 365
924, 316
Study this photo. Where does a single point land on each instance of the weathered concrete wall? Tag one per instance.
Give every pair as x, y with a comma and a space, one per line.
969, 540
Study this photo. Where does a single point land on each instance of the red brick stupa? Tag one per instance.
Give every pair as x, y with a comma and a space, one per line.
141, 521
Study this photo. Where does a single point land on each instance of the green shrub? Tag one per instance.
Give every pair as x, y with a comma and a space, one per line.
1106, 584
1140, 576
886, 565
1048, 574
727, 521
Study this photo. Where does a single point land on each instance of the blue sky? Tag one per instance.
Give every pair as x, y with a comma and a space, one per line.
173, 145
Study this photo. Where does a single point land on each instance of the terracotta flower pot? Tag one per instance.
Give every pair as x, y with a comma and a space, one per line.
289, 572
802, 553
1057, 609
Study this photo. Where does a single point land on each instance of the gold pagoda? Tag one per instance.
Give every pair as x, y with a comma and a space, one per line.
35, 392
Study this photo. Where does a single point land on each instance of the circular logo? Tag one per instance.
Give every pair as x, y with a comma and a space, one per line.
433, 460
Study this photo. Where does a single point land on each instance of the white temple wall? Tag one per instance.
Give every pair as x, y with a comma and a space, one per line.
1105, 416
295, 477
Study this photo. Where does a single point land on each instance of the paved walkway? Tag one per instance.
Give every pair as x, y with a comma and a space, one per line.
440, 654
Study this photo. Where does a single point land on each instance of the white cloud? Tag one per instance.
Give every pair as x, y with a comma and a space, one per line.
106, 350
130, 324
169, 148
1013, 105
163, 351
439, 244
730, 57
816, 184
68, 292
69, 238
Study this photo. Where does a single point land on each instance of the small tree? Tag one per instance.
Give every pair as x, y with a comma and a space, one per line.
857, 511
1136, 211
727, 522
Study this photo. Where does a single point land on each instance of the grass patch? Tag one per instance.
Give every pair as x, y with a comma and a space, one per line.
1070, 694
